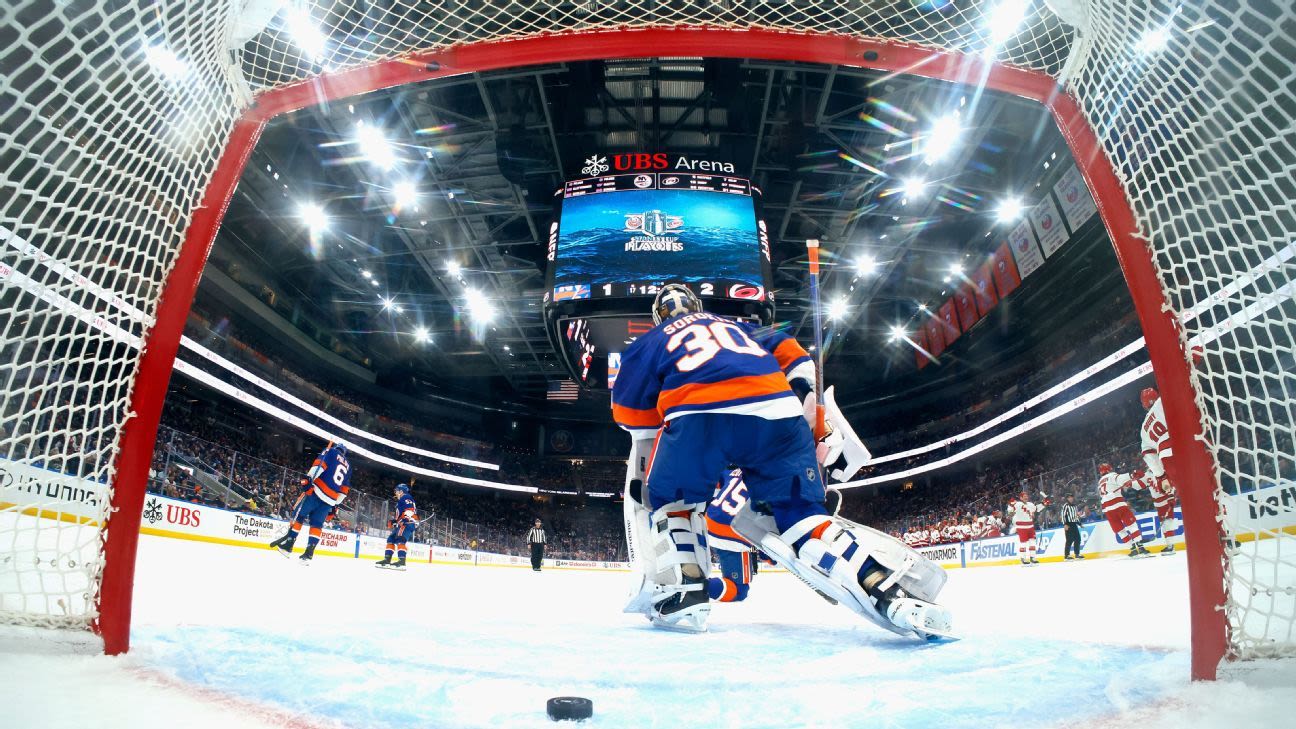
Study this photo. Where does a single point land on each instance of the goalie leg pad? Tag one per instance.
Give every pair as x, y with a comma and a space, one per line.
680, 562
874, 575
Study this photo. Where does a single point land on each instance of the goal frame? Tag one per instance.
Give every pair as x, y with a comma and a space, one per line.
1165, 342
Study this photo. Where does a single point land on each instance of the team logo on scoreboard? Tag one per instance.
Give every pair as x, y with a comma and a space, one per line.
654, 226
747, 291
643, 181
595, 165
570, 292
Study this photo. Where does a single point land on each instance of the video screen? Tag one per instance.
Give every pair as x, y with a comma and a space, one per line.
627, 235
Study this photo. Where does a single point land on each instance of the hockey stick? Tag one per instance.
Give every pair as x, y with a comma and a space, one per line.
812, 246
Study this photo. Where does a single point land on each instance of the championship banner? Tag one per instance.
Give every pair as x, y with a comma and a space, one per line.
949, 319
935, 337
1077, 204
1047, 222
983, 280
965, 302
920, 339
1024, 250
1005, 271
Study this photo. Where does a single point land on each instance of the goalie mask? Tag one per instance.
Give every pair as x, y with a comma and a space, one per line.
673, 300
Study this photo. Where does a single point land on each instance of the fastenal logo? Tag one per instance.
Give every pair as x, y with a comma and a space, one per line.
153, 511
654, 226
595, 165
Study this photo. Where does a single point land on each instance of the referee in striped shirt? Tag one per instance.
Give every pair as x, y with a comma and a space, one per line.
536, 538
1071, 525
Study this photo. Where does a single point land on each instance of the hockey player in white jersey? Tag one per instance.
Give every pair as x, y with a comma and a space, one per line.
1111, 491
1157, 454
1022, 511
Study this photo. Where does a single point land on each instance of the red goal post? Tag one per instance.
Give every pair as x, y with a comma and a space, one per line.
207, 131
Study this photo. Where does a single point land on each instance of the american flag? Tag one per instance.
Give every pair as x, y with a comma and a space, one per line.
563, 390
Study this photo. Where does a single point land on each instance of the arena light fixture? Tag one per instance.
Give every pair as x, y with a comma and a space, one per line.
1009, 210
453, 268
405, 194
837, 308
1004, 20
922, 308
897, 333
165, 62
387, 303
314, 217
422, 335
941, 138
479, 305
374, 145
913, 187
366, 273
1153, 41
305, 33
956, 269
865, 265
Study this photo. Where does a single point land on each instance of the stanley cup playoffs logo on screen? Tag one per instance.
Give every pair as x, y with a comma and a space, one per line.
654, 226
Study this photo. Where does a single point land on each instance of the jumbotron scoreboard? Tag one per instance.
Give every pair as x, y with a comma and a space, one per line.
616, 239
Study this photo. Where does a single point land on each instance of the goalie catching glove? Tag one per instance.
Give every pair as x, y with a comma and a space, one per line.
840, 451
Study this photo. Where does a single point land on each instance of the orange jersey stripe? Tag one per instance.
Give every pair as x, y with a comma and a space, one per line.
319, 484
724, 530
789, 351
736, 388
636, 418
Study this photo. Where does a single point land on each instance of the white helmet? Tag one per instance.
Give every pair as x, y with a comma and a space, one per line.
673, 300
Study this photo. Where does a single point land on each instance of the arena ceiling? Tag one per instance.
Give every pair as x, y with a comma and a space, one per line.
392, 220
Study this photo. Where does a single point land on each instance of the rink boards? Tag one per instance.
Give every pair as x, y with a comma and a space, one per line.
29, 493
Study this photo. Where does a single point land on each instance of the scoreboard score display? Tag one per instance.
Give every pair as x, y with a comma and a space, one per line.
616, 239
622, 236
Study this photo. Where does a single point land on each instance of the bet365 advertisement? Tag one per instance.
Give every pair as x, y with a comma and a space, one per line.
629, 242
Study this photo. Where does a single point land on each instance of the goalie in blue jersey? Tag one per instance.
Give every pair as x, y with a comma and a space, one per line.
328, 482
711, 394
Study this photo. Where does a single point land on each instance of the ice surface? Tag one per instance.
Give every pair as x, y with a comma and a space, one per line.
237, 637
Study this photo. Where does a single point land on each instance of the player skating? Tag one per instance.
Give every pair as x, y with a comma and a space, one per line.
329, 480
1158, 454
1023, 511
722, 394
402, 528
1111, 491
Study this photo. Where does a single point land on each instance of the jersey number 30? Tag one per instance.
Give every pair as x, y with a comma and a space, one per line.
704, 341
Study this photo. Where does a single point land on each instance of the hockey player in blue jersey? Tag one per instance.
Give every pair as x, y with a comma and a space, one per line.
402, 528
715, 394
329, 481
735, 555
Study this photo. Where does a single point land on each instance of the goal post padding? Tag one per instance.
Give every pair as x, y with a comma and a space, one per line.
1165, 343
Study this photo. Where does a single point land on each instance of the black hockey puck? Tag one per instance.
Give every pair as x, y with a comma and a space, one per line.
569, 708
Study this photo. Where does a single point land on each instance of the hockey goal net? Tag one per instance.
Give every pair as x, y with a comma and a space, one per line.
125, 126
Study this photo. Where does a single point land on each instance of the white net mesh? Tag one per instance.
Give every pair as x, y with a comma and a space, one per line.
1194, 106
112, 117
107, 142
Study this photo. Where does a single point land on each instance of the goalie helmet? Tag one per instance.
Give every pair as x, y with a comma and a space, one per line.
1104, 468
673, 300
1148, 396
